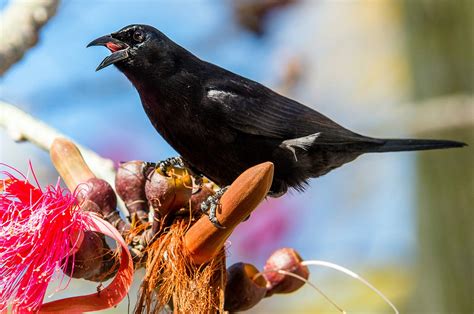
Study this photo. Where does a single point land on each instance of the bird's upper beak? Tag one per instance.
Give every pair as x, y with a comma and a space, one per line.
118, 48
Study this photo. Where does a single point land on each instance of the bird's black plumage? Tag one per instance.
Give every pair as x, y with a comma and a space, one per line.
222, 123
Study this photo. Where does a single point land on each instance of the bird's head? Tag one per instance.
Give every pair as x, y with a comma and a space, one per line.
134, 48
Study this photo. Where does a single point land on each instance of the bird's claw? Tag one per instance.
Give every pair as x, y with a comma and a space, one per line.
148, 166
170, 162
210, 205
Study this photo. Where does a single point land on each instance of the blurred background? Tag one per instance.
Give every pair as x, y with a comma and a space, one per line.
382, 68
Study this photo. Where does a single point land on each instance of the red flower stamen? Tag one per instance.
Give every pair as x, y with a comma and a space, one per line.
38, 231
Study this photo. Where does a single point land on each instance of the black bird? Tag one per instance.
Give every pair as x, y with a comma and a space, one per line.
222, 123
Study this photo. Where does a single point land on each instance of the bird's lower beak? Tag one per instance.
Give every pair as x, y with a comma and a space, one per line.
118, 48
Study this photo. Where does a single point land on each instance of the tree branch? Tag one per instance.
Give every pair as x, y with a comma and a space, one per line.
20, 23
435, 114
21, 126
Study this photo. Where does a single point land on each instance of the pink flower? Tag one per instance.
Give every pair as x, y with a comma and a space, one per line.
38, 231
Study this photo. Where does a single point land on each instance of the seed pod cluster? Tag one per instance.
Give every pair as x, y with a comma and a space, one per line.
246, 286
144, 187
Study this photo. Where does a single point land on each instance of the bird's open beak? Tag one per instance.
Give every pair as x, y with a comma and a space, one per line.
118, 48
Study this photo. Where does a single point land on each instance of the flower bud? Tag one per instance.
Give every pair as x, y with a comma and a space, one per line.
244, 288
130, 186
167, 194
289, 260
203, 240
100, 192
86, 261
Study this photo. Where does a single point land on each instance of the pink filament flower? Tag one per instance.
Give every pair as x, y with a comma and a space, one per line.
39, 230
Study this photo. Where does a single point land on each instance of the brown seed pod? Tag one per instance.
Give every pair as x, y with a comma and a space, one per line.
167, 194
130, 186
184, 187
87, 262
244, 287
203, 240
285, 259
101, 194
197, 198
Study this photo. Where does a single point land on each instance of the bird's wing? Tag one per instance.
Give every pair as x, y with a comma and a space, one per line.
251, 108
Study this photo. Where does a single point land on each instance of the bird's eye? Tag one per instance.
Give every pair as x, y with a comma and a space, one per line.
138, 36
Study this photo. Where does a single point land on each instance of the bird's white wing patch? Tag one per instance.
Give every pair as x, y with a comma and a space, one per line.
219, 94
303, 143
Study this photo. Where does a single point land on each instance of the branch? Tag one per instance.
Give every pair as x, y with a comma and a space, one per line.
21, 126
20, 23
436, 114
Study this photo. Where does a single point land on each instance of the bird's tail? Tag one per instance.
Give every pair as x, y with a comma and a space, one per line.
398, 145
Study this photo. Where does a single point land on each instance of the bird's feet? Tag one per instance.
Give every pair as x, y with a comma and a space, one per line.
211, 204
170, 162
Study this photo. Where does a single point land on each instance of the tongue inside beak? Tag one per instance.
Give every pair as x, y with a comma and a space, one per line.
114, 47
119, 50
